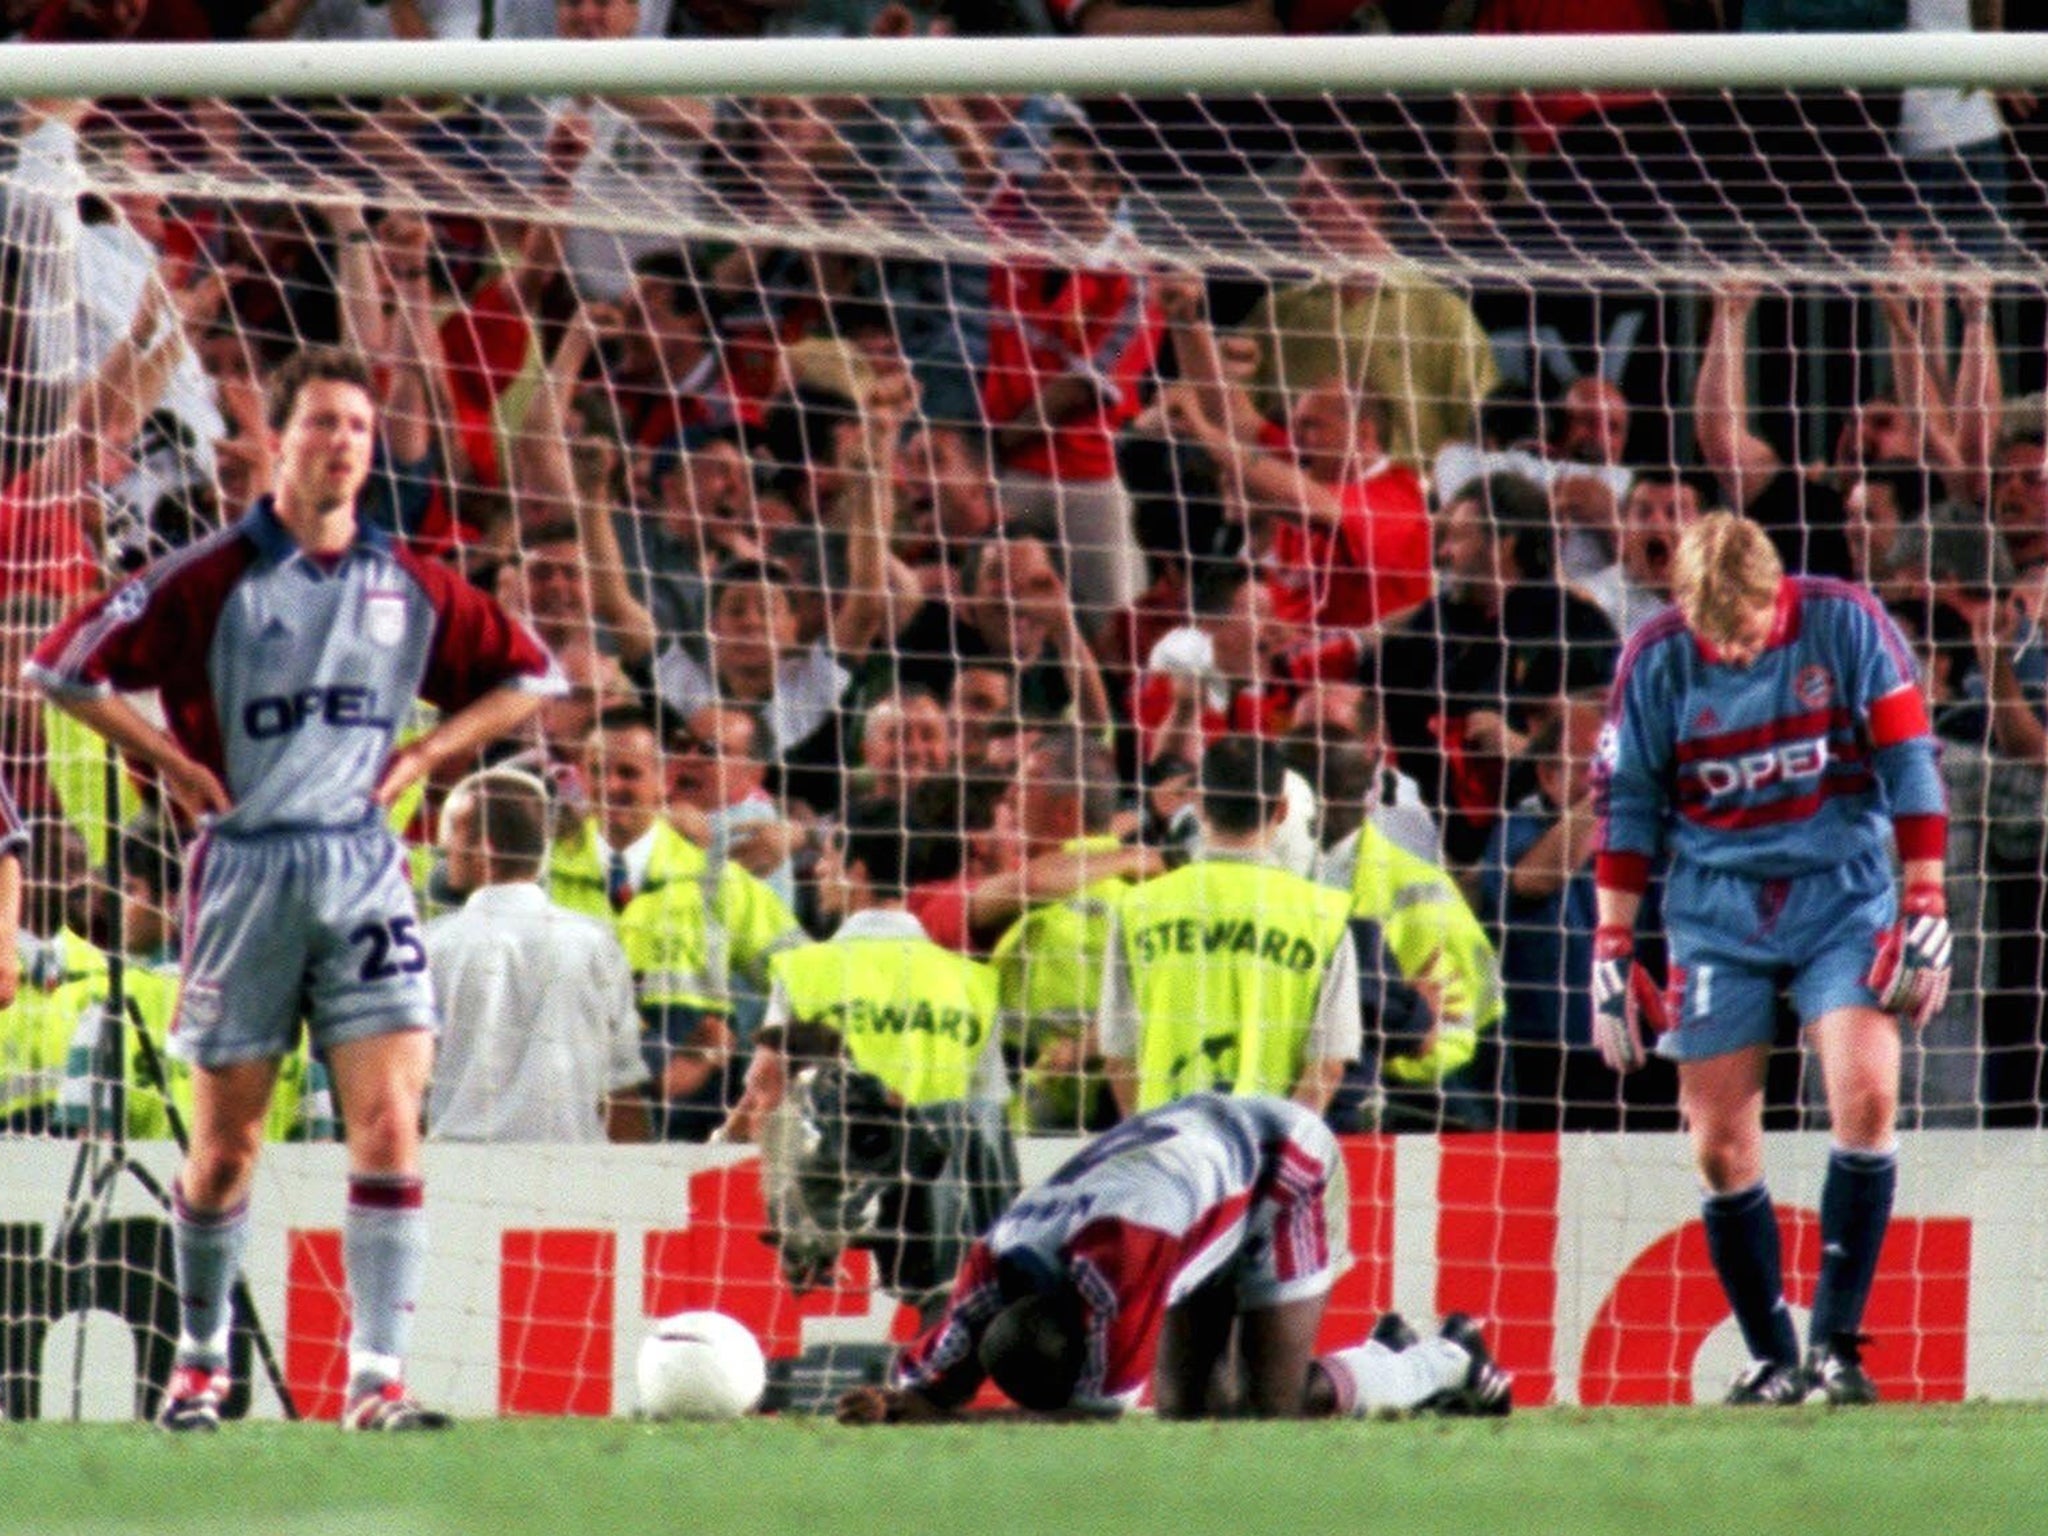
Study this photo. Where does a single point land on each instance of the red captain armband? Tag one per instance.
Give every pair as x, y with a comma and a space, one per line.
1617, 871
1899, 716
1921, 837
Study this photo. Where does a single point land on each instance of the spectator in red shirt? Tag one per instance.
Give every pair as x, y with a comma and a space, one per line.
663, 373
1340, 531
1068, 352
1230, 672
120, 21
966, 832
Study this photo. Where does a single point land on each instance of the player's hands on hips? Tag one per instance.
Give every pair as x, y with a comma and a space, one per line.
1911, 972
408, 765
193, 786
1624, 997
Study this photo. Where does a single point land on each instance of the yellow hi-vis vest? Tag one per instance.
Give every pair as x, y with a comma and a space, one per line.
1227, 962
914, 1014
301, 1102
75, 758
578, 879
1433, 935
35, 1029
691, 924
1049, 962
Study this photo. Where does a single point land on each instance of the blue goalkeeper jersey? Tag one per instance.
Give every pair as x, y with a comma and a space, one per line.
1801, 761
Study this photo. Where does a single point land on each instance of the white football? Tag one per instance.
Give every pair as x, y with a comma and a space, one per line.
700, 1365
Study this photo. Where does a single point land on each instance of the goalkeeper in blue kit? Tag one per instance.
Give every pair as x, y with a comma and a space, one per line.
1769, 737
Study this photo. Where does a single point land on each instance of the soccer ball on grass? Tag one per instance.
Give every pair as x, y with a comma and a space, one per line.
700, 1365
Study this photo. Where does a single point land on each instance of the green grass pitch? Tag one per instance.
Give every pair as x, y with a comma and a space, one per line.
1803, 1472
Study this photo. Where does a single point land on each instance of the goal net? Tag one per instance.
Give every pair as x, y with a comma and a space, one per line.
913, 486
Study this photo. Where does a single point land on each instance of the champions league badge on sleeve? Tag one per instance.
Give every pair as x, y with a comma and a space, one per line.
128, 603
384, 617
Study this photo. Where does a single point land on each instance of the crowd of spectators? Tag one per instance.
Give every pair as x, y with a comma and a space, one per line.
1003, 535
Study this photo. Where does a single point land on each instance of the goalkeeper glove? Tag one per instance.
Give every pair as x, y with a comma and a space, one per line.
1911, 972
1624, 999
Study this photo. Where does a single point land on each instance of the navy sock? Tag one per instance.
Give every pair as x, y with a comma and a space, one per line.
1855, 1209
1742, 1237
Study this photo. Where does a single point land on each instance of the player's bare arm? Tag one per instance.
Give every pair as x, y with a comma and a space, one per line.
10, 927
456, 739
191, 784
888, 1405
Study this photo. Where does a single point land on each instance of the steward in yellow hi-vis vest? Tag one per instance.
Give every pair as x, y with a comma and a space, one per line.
1048, 967
580, 875
885, 1045
1049, 962
918, 1017
301, 1106
35, 1029
1436, 941
1230, 974
691, 923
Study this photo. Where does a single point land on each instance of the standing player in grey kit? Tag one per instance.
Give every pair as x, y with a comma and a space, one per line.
288, 650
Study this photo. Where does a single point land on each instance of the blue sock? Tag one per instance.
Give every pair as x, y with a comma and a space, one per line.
206, 1247
384, 1245
1742, 1237
1855, 1209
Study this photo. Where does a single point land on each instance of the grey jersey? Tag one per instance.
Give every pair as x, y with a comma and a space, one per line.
288, 674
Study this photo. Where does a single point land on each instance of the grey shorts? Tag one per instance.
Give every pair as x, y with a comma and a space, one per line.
314, 924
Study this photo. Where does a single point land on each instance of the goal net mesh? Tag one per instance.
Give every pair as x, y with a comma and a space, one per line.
964, 467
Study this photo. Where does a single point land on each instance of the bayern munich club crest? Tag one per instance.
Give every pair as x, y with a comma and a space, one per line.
1813, 687
384, 618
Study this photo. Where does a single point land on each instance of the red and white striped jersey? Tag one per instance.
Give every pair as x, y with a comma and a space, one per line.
1138, 1220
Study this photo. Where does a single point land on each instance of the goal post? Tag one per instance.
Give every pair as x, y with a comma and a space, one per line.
953, 438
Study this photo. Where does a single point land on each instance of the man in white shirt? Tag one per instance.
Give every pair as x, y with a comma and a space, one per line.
540, 1039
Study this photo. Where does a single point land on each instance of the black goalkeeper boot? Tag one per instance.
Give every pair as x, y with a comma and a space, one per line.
1835, 1374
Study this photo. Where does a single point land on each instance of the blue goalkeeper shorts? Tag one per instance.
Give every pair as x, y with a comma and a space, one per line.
313, 924
1736, 941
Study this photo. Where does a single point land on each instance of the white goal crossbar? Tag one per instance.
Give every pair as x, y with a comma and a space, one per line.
1079, 66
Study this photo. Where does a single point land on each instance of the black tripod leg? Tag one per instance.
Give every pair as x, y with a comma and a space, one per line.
87, 1203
